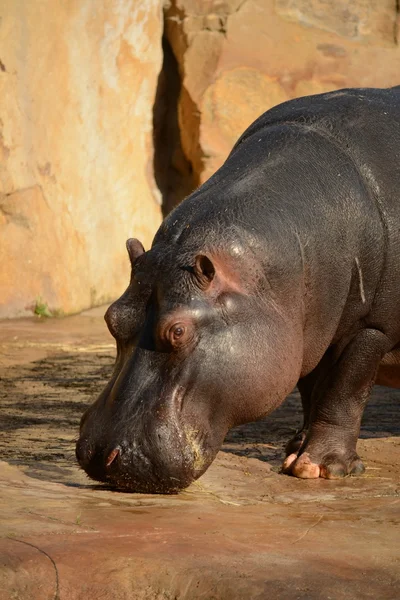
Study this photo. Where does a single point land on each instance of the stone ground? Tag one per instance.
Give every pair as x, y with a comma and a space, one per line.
243, 531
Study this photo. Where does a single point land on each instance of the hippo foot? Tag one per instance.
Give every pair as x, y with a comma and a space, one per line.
329, 466
293, 446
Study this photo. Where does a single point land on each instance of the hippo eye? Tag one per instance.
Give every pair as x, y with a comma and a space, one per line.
177, 334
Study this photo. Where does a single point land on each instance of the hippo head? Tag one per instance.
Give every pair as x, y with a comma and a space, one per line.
197, 353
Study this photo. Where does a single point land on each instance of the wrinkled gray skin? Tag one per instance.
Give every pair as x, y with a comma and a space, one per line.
282, 269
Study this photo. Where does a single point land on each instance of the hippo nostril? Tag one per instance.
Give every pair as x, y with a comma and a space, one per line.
112, 456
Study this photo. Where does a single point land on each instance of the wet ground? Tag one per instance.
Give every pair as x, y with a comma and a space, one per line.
243, 531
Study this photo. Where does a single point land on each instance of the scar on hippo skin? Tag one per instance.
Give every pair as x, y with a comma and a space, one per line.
282, 269
362, 294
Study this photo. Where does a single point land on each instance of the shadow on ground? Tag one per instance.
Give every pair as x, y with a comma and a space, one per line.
43, 401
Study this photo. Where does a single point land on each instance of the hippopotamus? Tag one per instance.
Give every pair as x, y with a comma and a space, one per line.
282, 269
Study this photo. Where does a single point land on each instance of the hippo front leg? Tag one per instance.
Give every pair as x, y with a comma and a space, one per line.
305, 387
340, 391
308, 387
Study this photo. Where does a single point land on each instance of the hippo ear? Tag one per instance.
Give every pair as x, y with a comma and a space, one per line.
218, 274
204, 270
135, 249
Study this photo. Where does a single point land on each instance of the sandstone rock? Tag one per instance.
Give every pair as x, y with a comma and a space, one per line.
77, 87
367, 20
234, 101
238, 58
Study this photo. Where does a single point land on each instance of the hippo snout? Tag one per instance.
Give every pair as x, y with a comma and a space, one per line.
165, 462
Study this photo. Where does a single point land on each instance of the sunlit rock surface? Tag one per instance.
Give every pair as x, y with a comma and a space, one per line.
77, 86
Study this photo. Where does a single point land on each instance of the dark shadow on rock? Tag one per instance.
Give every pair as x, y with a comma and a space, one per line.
173, 172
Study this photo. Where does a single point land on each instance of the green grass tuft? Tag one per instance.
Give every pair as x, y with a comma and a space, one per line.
41, 309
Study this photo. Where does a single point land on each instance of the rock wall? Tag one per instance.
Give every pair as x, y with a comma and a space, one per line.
77, 86
100, 121
238, 58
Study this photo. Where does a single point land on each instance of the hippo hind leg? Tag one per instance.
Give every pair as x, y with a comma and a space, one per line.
335, 396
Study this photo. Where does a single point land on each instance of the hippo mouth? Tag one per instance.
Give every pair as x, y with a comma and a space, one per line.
127, 467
